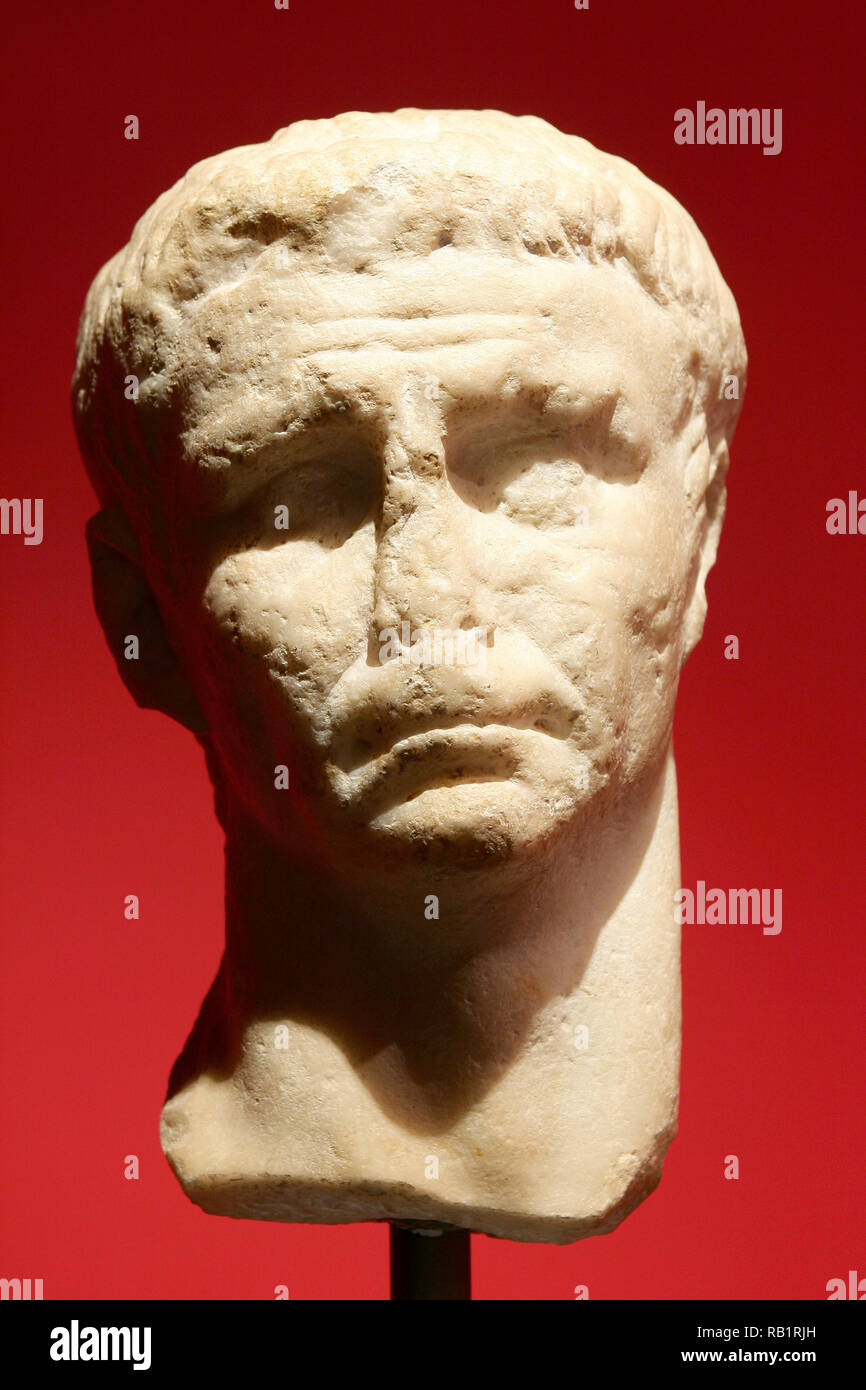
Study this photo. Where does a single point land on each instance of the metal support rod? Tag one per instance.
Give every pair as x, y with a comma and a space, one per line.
434, 1266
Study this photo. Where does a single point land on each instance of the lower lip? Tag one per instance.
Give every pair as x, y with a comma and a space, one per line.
467, 752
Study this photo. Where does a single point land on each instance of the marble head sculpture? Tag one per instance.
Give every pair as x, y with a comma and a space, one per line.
410, 432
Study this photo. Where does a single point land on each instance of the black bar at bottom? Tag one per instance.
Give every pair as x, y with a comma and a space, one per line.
430, 1266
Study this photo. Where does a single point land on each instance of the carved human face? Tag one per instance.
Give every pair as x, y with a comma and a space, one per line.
463, 442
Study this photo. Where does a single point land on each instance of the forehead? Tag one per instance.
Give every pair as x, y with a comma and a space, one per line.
285, 348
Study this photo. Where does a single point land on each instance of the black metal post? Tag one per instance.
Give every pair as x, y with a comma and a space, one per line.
434, 1266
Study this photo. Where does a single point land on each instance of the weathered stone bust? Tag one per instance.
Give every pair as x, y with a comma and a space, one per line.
410, 432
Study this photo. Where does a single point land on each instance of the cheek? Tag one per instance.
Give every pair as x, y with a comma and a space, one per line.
280, 628
651, 619
605, 603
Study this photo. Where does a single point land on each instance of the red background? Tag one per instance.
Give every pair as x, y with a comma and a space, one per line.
101, 799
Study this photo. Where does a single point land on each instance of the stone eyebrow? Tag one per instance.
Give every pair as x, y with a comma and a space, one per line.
589, 418
343, 415
531, 406
217, 447
252, 463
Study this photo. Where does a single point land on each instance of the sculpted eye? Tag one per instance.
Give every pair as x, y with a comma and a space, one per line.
548, 491
544, 473
531, 479
324, 502
546, 481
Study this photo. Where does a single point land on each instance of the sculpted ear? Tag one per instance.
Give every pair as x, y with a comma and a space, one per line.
708, 472
132, 622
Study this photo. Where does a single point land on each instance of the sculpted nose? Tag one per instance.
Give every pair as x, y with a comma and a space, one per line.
426, 570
